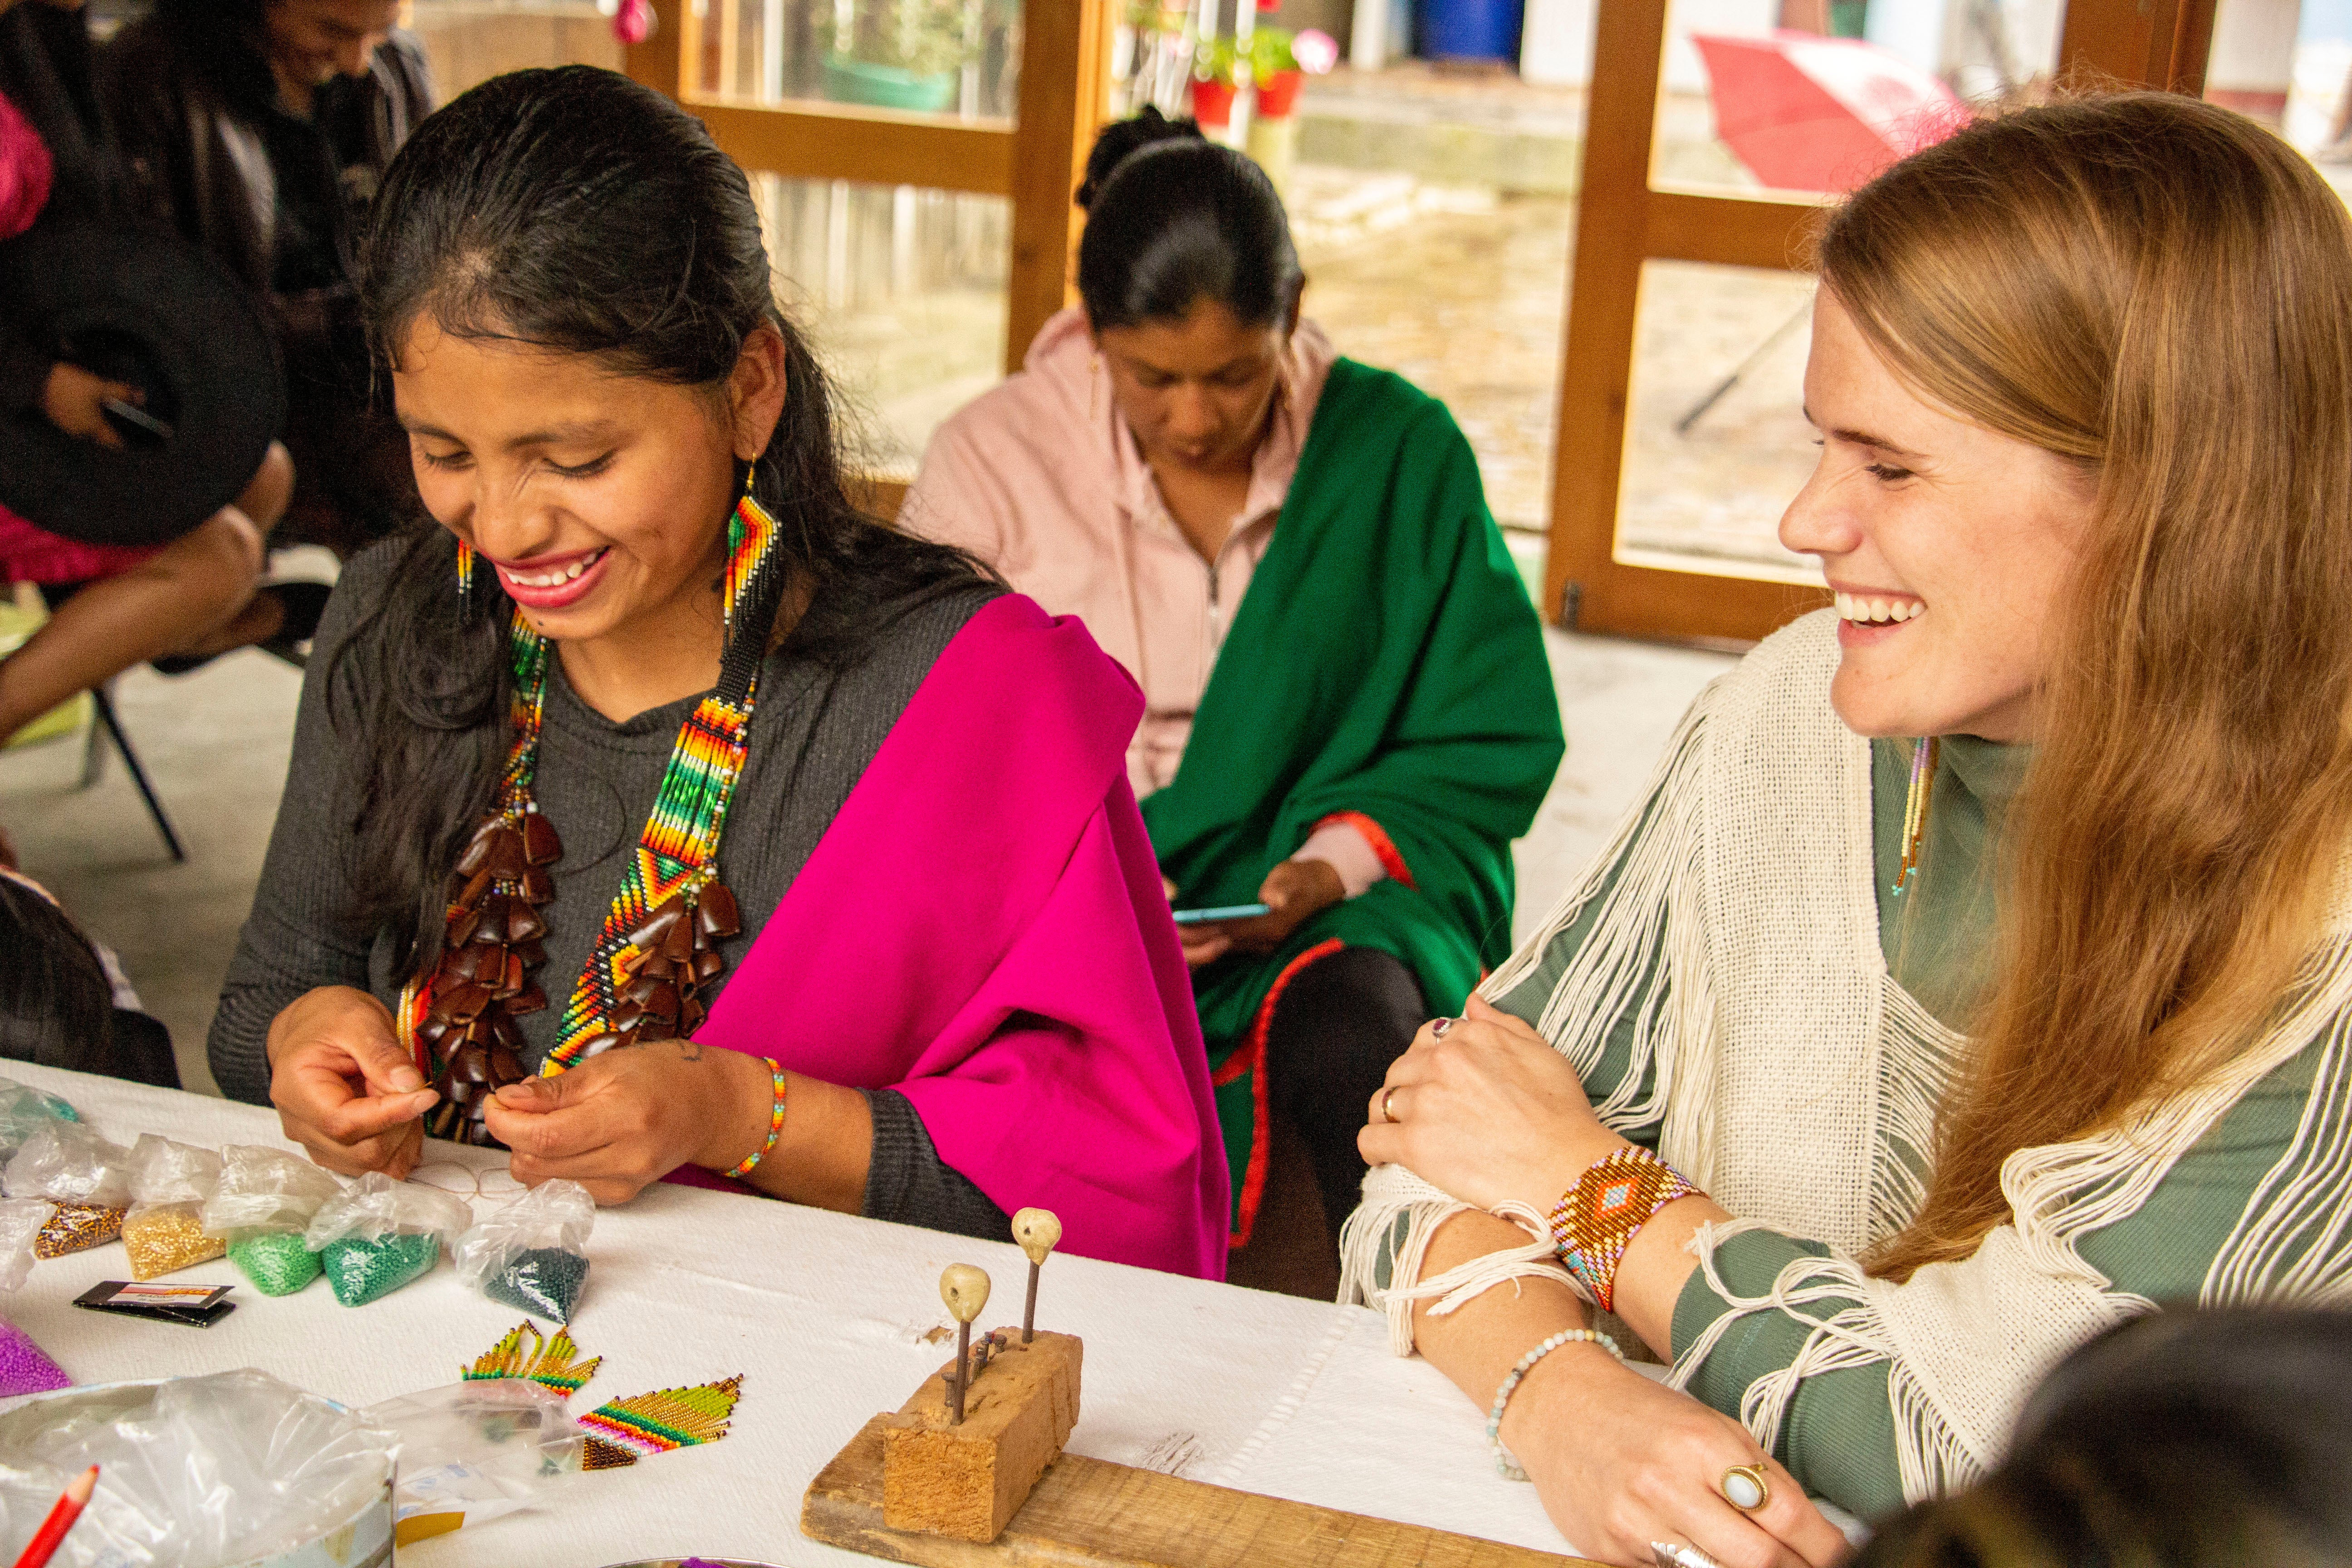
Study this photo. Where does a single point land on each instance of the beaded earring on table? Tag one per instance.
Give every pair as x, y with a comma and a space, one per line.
1914, 807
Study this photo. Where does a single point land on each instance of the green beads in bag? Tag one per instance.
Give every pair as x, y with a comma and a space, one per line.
378, 1235
275, 1261
361, 1270
264, 1201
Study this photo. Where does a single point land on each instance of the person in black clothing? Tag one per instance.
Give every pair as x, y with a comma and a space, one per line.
63, 1002
260, 129
188, 599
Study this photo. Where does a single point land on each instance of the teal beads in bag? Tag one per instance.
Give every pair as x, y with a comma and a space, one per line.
361, 1270
377, 1235
544, 1281
532, 1253
276, 1261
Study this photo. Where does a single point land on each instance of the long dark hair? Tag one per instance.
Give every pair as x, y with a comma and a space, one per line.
1173, 219
578, 211
57, 1005
2185, 1439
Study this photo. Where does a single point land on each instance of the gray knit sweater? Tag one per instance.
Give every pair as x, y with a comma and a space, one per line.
812, 732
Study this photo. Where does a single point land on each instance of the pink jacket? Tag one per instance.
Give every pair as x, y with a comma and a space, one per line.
1041, 477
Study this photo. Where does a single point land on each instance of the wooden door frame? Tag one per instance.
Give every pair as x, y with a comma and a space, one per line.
1034, 163
1623, 222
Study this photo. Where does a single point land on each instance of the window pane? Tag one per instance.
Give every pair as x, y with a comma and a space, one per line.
1810, 96
2289, 64
470, 41
1716, 439
960, 59
902, 291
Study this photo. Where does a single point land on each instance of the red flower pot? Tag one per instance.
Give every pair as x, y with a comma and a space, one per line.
1278, 95
1212, 101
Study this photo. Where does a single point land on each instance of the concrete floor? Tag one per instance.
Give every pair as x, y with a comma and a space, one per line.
216, 744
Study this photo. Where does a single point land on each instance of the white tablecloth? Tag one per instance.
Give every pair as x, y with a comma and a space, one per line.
824, 1315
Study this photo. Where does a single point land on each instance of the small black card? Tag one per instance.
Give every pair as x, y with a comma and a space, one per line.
201, 1306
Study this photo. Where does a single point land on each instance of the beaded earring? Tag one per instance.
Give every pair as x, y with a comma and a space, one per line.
731, 582
465, 580
1914, 807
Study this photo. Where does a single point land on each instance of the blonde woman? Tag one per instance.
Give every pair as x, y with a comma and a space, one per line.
1859, 1090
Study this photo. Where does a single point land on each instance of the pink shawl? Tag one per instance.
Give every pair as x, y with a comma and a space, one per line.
25, 172
984, 929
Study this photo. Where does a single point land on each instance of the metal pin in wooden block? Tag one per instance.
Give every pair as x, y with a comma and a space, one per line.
1038, 1231
965, 1291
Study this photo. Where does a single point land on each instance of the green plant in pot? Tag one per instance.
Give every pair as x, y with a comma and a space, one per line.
897, 53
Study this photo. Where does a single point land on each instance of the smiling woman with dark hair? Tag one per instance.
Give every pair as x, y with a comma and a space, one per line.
647, 743
1348, 714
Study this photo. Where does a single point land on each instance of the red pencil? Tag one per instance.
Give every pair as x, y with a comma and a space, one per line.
61, 1518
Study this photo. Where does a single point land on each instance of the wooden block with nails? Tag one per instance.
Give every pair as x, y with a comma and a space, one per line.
966, 1479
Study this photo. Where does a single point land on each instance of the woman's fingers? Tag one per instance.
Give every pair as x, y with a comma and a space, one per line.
1790, 1517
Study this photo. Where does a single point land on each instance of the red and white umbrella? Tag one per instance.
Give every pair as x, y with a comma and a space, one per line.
1806, 112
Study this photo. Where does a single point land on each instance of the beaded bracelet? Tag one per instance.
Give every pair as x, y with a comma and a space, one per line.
1503, 1460
775, 1121
1596, 1219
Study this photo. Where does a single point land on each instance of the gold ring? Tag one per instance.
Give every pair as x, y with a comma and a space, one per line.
1746, 1487
1386, 1095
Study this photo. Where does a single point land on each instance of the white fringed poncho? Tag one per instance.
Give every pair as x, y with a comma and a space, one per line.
1797, 1083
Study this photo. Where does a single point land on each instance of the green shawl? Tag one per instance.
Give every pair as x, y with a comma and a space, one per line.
1385, 661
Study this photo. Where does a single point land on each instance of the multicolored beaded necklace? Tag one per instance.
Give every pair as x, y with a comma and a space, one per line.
658, 948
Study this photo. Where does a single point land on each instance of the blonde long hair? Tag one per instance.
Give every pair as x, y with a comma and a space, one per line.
2161, 291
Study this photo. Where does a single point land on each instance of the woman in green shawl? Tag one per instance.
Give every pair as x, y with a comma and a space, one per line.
1348, 713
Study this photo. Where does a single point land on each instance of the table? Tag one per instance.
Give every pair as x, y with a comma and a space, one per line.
826, 1316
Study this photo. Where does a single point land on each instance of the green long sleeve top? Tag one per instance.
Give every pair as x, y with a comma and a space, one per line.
1838, 1438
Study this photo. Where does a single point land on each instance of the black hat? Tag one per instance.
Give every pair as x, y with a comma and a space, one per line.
138, 306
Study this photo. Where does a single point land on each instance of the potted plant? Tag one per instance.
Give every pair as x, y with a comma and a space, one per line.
1273, 66
1216, 79
895, 54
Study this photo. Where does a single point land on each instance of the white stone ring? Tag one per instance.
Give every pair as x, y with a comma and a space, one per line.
1745, 1487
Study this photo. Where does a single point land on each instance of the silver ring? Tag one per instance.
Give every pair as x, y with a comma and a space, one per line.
1386, 1095
1437, 1026
1669, 1554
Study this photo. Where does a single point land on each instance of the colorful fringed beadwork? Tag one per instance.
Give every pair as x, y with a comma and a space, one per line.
623, 1431
524, 1352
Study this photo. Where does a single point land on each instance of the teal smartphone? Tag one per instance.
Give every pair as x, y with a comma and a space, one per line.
1224, 912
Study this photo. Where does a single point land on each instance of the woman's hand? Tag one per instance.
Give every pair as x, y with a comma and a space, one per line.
622, 1121
343, 1088
1294, 892
1621, 1461
73, 399
1487, 1111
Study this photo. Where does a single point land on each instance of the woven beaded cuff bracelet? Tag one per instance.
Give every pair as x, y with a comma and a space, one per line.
1596, 1219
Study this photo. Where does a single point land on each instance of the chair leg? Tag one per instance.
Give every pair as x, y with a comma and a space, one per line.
93, 752
138, 775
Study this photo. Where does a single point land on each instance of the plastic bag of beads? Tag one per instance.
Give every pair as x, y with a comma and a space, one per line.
21, 1221
263, 1204
377, 1235
25, 1110
533, 1253
163, 1232
86, 1177
475, 1451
